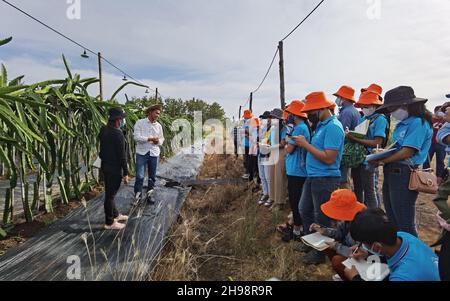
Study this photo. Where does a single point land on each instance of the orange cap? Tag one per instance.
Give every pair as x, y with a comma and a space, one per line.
342, 206
346, 92
375, 89
296, 108
369, 98
248, 114
317, 101
255, 122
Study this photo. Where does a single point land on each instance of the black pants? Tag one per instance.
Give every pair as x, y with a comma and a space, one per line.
112, 185
251, 164
444, 258
295, 188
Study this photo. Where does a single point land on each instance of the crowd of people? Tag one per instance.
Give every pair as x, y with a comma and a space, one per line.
313, 156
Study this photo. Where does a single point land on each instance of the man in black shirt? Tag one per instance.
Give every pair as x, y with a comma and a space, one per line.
114, 165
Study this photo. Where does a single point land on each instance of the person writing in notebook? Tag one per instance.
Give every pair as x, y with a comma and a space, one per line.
408, 258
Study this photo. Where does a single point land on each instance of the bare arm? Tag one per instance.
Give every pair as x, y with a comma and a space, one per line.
370, 143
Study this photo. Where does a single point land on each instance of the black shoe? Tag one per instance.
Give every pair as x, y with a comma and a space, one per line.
314, 257
288, 234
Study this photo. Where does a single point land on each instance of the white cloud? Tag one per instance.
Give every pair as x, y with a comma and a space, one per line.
222, 48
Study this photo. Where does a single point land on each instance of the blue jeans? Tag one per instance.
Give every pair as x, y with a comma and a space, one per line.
439, 150
316, 191
399, 201
141, 162
263, 173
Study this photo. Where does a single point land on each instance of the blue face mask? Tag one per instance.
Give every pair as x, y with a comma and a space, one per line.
370, 250
339, 102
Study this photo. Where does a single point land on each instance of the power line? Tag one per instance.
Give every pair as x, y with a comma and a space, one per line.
75, 42
296, 27
276, 52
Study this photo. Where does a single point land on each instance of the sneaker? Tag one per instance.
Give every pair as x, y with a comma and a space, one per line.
149, 196
121, 218
263, 199
314, 257
302, 248
336, 277
268, 203
115, 226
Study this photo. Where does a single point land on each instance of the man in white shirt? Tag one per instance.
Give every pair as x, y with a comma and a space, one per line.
149, 136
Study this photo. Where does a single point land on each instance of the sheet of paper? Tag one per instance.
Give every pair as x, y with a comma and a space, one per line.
369, 271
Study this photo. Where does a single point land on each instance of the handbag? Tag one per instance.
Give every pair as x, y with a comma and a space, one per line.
423, 180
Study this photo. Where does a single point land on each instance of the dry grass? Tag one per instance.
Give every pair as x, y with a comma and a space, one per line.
222, 234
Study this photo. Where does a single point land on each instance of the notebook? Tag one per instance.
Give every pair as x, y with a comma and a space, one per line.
369, 271
383, 153
317, 241
361, 130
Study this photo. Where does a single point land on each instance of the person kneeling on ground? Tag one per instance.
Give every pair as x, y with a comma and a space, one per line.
409, 258
342, 207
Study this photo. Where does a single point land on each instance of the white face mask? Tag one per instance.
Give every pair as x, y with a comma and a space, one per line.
440, 114
400, 114
368, 111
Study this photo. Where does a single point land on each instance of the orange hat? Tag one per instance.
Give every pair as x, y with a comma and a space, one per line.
342, 206
317, 101
369, 98
248, 114
346, 92
375, 89
296, 108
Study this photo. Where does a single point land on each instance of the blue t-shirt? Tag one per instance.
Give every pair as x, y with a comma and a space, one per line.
328, 135
349, 117
246, 127
414, 133
441, 135
296, 161
377, 127
414, 261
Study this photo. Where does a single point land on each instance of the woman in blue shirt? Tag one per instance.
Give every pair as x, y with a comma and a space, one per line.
377, 135
296, 166
412, 135
323, 161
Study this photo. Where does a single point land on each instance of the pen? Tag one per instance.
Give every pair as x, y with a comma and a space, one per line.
357, 248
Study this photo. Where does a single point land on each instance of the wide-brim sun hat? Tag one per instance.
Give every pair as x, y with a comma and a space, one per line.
277, 114
317, 101
116, 113
296, 108
342, 206
265, 115
400, 96
368, 99
375, 89
347, 93
248, 114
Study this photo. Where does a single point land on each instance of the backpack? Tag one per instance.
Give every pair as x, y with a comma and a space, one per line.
354, 153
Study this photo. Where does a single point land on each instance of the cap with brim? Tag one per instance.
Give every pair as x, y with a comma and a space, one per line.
368, 99
277, 114
342, 206
265, 115
400, 96
248, 114
347, 93
377, 89
296, 108
317, 101
116, 113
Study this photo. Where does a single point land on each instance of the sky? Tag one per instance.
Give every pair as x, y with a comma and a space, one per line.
219, 50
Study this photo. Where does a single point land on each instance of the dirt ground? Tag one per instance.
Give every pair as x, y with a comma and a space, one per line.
22, 231
222, 234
